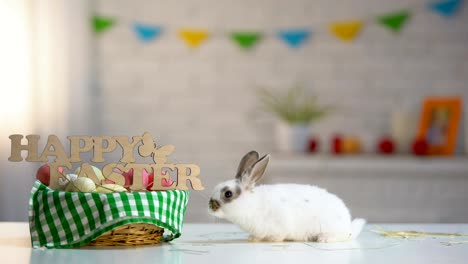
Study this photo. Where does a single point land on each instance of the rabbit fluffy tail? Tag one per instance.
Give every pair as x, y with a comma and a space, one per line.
356, 227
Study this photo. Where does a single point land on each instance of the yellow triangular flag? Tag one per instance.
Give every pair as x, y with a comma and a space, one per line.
346, 30
193, 37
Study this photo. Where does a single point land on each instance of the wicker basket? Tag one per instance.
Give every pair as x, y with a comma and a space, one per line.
116, 223
130, 235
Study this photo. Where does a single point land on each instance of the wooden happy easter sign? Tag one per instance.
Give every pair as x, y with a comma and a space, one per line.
146, 147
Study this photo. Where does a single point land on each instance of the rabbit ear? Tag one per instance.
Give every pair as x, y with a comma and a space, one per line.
256, 172
246, 162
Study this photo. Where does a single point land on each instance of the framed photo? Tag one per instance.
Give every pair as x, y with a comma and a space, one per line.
439, 124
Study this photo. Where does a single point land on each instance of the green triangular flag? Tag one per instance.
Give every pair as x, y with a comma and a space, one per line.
246, 40
395, 21
101, 24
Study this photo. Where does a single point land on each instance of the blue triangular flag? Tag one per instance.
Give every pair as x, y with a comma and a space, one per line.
294, 37
146, 32
446, 8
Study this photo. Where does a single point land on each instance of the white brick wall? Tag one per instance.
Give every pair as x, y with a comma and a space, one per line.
203, 100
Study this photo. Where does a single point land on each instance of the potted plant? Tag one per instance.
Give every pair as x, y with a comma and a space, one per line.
295, 109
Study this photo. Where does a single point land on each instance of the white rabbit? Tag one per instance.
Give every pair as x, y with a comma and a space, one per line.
280, 212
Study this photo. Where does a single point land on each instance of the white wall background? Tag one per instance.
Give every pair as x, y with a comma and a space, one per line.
45, 82
203, 100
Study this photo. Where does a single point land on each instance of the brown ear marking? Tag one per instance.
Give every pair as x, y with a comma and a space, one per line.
247, 162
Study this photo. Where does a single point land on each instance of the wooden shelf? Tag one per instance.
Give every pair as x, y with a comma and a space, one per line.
453, 164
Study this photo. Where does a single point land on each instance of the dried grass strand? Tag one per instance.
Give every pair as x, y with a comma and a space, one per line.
406, 234
451, 243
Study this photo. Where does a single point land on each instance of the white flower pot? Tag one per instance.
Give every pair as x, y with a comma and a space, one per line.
292, 138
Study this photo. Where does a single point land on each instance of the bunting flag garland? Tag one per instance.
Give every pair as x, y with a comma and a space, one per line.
193, 37
394, 21
446, 8
101, 24
145, 32
294, 38
246, 40
346, 30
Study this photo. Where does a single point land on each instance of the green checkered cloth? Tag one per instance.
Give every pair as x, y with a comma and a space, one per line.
59, 219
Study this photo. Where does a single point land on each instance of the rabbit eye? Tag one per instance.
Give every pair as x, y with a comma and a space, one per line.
228, 194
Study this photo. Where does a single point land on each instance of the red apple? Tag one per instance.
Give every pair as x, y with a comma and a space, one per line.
336, 145
313, 145
420, 147
386, 146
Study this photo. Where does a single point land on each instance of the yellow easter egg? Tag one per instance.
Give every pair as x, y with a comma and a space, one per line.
81, 184
110, 188
96, 171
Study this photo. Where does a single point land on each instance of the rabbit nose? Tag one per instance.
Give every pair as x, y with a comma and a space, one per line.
214, 205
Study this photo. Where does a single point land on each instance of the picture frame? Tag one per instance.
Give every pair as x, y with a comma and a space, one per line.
439, 124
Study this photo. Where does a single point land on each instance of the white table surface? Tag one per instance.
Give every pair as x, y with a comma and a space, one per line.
224, 243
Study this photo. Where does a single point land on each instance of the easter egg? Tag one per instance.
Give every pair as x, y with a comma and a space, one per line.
96, 170
106, 181
64, 181
110, 188
82, 184
150, 181
128, 177
43, 174
166, 183
147, 178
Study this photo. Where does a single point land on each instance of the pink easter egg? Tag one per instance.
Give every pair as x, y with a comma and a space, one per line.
127, 175
106, 181
146, 178
149, 181
163, 181
166, 183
